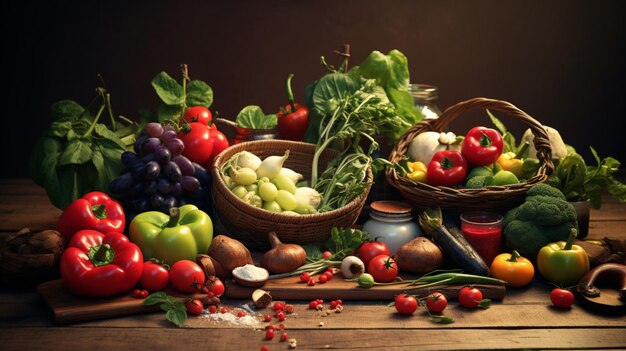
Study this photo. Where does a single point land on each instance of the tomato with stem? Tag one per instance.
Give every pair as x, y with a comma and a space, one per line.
436, 302
154, 277
405, 304
383, 268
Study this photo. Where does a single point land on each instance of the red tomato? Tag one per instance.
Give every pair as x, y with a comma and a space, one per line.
470, 297
154, 276
220, 142
215, 285
198, 114
370, 249
194, 307
184, 274
383, 268
405, 304
482, 146
562, 298
198, 142
436, 302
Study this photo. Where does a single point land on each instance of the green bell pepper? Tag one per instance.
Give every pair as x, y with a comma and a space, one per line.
182, 235
563, 263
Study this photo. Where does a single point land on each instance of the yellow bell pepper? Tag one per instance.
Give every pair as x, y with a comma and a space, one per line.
512, 162
418, 171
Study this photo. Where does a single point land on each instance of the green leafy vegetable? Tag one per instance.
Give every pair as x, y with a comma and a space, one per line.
580, 182
175, 310
77, 154
388, 79
176, 97
252, 117
510, 144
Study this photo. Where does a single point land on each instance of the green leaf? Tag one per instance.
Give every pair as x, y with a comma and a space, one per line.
77, 151
199, 93
59, 129
253, 117
103, 131
67, 109
617, 189
154, 298
168, 113
37, 156
595, 156
332, 86
496, 122
440, 319
390, 71
168, 89
177, 316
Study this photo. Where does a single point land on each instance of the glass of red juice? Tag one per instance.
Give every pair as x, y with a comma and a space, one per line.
483, 230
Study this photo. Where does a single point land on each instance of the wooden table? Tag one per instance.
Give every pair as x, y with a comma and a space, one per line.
524, 319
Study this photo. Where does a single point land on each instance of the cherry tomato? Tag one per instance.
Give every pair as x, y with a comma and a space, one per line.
562, 298
198, 143
436, 302
215, 285
368, 250
305, 276
327, 254
470, 297
199, 114
184, 274
137, 293
383, 268
405, 304
154, 276
194, 307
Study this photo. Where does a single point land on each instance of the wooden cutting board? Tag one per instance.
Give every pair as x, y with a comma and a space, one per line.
292, 289
70, 308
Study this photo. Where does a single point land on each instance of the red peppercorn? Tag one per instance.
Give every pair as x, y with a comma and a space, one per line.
284, 336
279, 306
322, 279
265, 348
313, 304
212, 309
224, 310
311, 282
304, 277
241, 314
269, 334
267, 318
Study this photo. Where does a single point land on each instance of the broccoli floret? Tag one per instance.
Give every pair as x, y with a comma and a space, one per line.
543, 218
525, 237
545, 190
546, 210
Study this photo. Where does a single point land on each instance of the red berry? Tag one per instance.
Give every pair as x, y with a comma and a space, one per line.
143, 294
313, 305
322, 279
333, 304
271, 326
304, 277
281, 326
281, 317
213, 309
330, 270
267, 318
339, 302
328, 275
319, 301
279, 306
284, 336
311, 282
327, 254
224, 310
265, 348
241, 314
137, 293
269, 334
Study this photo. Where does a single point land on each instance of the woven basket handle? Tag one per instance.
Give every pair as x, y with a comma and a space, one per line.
541, 140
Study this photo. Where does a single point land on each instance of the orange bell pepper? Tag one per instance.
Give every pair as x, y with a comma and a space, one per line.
515, 269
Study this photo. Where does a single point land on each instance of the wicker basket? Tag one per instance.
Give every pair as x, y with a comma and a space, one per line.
250, 224
493, 198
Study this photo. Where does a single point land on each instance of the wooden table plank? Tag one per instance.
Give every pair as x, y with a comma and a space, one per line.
138, 338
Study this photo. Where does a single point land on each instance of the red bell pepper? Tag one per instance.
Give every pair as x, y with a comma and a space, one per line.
293, 119
482, 146
98, 265
94, 211
447, 168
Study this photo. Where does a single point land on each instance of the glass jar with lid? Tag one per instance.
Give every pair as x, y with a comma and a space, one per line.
391, 222
425, 99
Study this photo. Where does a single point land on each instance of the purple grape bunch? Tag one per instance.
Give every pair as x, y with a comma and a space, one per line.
157, 176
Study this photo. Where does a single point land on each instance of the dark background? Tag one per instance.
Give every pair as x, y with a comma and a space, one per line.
560, 61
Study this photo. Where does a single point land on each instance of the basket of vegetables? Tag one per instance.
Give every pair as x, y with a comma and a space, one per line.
260, 187
447, 160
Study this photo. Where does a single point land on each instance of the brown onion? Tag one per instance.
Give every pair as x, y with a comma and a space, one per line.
282, 258
419, 255
227, 254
